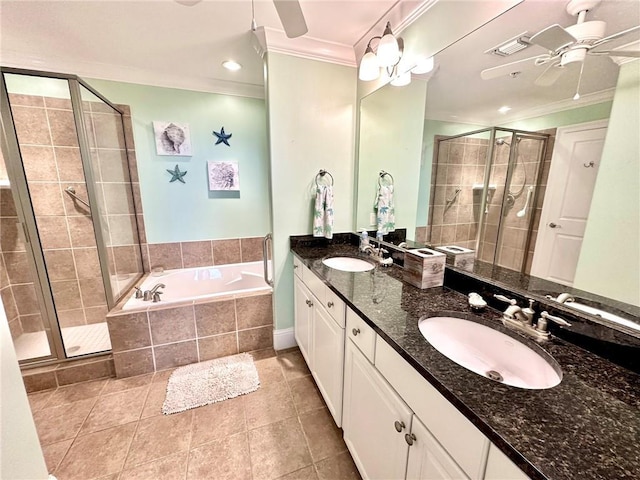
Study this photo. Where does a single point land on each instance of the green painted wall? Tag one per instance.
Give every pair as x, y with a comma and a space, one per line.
609, 261
177, 212
391, 127
311, 127
589, 113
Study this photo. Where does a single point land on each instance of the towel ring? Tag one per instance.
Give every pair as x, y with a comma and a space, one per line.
384, 174
321, 174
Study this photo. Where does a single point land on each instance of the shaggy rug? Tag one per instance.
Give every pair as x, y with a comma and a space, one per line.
209, 382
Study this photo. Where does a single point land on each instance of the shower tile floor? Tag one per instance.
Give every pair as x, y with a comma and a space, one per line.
79, 340
113, 430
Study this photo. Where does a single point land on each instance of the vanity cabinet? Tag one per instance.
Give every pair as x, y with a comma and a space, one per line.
319, 332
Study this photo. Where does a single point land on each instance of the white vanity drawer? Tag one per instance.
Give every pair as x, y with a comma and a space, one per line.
464, 442
361, 335
314, 284
335, 306
297, 267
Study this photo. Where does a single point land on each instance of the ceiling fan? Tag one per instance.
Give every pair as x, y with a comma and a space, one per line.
289, 11
566, 46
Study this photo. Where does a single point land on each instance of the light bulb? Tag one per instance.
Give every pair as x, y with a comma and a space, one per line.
423, 66
388, 48
369, 67
402, 80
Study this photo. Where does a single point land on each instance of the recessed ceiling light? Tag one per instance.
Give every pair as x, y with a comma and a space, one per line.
231, 65
504, 109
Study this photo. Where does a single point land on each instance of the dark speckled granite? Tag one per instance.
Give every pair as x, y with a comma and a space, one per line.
588, 427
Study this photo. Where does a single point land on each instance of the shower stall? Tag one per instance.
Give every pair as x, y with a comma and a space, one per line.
486, 193
69, 242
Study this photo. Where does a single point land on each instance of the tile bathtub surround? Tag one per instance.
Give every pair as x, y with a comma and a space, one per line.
114, 428
53, 376
202, 253
158, 339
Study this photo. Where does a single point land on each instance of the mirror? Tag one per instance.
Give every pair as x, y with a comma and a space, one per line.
458, 101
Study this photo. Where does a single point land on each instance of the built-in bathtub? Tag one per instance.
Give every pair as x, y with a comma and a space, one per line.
201, 283
203, 313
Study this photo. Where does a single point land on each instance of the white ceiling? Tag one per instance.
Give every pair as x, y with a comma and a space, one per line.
162, 37
457, 93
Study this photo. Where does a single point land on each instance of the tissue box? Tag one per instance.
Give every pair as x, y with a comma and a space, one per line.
424, 268
458, 256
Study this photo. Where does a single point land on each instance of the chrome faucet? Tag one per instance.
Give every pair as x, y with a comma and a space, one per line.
153, 294
562, 298
522, 319
377, 254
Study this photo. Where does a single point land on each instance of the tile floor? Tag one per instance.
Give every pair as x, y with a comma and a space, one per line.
113, 430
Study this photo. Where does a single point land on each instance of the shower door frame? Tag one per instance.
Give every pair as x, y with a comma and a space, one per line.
27, 216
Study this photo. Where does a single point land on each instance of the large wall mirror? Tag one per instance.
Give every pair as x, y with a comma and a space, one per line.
509, 165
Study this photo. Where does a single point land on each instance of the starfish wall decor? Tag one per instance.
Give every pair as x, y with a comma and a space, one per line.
223, 137
177, 175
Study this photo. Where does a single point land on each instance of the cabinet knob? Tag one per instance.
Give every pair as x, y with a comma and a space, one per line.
295, 266
399, 426
355, 331
410, 438
309, 303
329, 304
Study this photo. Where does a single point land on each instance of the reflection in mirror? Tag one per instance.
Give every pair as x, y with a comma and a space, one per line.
522, 184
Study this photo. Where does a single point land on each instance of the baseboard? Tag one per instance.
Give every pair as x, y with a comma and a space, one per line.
283, 339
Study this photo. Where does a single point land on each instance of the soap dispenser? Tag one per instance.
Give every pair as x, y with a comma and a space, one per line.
364, 240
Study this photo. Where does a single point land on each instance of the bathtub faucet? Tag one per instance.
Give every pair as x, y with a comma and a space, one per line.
153, 294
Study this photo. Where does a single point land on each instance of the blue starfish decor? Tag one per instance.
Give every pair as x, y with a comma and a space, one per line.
176, 175
223, 137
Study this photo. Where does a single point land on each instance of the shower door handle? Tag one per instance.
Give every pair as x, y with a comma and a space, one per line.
554, 225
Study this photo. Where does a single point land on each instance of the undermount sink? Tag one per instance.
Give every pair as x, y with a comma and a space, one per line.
491, 353
348, 264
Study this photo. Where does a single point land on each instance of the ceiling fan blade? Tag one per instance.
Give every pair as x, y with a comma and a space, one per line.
550, 75
615, 35
509, 68
553, 38
618, 53
291, 17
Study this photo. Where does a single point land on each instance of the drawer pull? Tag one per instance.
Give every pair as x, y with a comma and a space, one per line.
295, 266
399, 426
329, 304
410, 438
355, 331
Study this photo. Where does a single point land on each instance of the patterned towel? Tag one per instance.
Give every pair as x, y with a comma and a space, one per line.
385, 210
323, 212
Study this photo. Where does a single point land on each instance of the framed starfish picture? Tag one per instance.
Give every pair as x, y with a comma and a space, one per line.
223, 176
172, 138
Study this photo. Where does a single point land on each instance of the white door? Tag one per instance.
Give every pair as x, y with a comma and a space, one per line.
427, 459
303, 318
327, 351
374, 419
574, 168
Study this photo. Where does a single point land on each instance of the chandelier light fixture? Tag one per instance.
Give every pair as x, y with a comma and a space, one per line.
386, 57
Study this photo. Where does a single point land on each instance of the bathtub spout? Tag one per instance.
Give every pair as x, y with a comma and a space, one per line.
150, 294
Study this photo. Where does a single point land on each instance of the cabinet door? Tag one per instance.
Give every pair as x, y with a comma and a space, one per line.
303, 318
370, 411
427, 459
499, 467
327, 357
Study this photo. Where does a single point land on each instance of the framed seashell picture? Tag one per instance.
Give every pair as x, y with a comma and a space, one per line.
172, 138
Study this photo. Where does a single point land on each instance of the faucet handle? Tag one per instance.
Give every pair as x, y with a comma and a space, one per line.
139, 293
156, 296
502, 298
558, 320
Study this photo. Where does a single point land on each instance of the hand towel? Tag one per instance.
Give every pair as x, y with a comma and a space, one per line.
323, 212
385, 210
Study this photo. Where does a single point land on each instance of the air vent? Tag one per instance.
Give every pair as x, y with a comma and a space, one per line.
511, 46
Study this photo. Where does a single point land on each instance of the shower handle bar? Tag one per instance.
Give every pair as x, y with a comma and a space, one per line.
265, 258
72, 193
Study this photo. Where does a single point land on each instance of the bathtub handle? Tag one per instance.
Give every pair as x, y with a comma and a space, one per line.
265, 257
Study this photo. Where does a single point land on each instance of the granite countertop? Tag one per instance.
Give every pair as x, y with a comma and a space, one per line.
587, 427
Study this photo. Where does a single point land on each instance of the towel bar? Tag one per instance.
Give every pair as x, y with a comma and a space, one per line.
384, 174
321, 174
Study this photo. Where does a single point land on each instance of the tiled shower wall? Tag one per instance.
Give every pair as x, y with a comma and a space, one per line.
459, 164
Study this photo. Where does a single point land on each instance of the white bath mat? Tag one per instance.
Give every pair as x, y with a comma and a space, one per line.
209, 382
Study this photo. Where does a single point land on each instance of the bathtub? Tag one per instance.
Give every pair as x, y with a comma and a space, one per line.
201, 284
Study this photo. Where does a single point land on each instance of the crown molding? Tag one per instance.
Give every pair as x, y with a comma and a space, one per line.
104, 71
271, 40
551, 108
